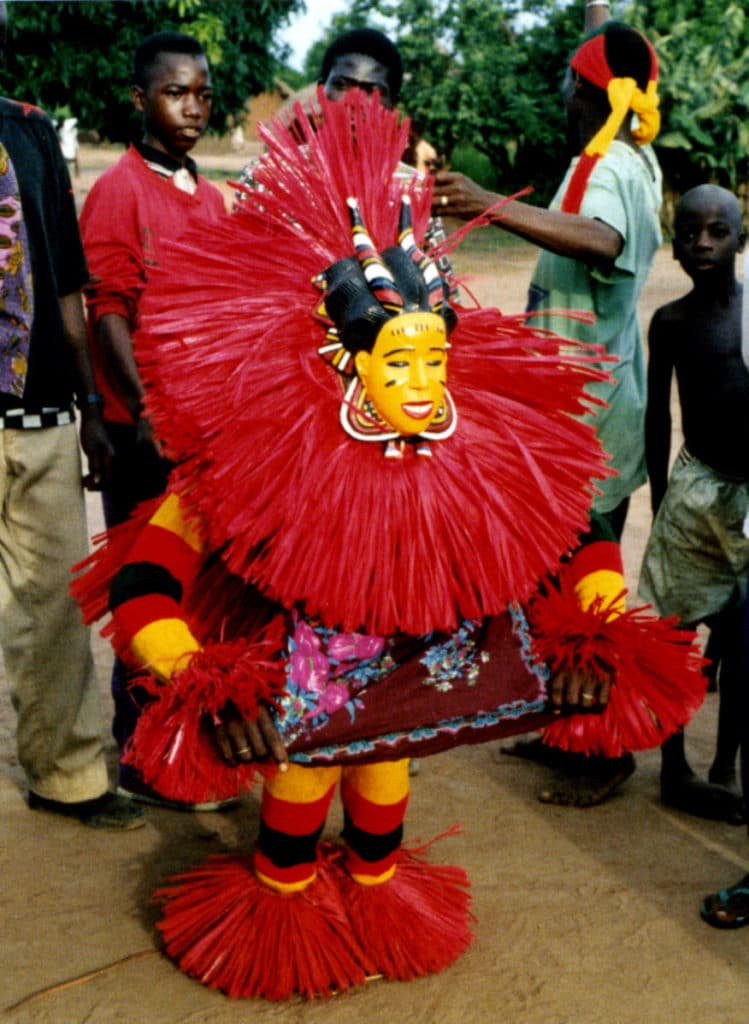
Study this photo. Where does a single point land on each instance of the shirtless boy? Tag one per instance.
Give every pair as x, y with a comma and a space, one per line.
696, 560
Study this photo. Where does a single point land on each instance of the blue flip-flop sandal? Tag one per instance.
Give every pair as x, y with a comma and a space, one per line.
719, 901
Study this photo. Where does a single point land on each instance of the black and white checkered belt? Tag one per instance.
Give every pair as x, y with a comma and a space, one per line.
19, 419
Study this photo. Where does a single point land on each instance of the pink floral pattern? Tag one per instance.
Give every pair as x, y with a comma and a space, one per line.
325, 670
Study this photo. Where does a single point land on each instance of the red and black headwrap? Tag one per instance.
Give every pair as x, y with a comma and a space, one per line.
619, 60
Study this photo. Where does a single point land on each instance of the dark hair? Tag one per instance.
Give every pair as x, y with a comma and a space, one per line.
153, 46
372, 44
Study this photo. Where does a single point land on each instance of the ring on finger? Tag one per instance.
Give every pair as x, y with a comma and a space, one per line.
243, 750
444, 200
587, 698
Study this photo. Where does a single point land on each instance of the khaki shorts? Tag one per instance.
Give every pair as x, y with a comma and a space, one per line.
697, 556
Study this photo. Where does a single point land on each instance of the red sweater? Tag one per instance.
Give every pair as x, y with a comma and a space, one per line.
126, 216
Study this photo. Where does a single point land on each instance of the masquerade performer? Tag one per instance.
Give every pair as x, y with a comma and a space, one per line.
362, 483
598, 239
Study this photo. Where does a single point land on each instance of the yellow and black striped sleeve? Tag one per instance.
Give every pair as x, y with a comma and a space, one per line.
595, 569
146, 598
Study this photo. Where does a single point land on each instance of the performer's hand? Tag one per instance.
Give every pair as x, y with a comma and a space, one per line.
455, 195
575, 690
241, 741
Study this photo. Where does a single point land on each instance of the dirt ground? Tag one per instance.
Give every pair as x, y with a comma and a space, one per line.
583, 916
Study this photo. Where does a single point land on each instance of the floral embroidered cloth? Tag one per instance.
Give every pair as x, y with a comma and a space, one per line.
16, 289
434, 692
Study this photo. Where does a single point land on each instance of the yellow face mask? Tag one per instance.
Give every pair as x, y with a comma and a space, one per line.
405, 374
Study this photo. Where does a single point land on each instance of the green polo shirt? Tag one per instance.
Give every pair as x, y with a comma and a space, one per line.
624, 191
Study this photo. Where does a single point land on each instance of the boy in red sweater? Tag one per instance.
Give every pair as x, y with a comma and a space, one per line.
152, 194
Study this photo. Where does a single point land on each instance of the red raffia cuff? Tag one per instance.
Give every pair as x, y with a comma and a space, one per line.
654, 664
416, 923
173, 746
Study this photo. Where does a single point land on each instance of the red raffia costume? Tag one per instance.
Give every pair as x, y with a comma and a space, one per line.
383, 607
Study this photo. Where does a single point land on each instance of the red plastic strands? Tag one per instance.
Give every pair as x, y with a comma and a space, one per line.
656, 670
231, 932
250, 410
416, 923
174, 750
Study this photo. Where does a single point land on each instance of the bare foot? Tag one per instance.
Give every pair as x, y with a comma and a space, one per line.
728, 908
535, 750
724, 775
591, 787
686, 792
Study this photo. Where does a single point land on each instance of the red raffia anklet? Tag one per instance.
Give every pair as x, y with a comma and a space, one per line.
225, 928
416, 923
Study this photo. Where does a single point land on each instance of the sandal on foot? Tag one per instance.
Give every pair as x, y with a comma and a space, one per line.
716, 909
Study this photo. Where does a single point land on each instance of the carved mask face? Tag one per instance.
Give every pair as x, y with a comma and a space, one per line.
405, 374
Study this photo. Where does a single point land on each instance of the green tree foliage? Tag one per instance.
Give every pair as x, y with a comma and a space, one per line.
485, 74
78, 56
703, 51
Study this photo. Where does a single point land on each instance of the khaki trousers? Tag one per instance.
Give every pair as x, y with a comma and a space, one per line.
46, 647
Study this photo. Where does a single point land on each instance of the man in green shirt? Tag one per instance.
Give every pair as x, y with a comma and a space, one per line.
600, 235
599, 238
623, 193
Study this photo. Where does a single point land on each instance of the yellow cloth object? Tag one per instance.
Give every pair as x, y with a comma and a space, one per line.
645, 105
625, 96
170, 516
301, 784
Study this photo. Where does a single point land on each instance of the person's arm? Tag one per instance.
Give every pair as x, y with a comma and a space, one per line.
114, 335
658, 412
147, 605
566, 234
94, 440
